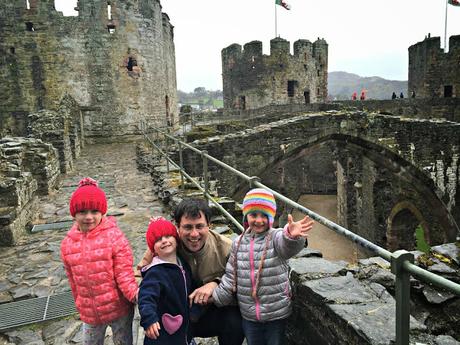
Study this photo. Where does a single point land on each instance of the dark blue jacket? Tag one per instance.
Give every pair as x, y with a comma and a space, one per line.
164, 289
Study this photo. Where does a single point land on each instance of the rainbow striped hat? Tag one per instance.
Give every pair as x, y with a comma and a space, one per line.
259, 200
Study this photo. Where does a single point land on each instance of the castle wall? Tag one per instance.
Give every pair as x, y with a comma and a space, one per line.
252, 80
119, 69
433, 73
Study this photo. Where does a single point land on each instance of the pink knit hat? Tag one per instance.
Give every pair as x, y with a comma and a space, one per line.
88, 196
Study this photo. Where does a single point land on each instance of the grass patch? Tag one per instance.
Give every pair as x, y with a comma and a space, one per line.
420, 240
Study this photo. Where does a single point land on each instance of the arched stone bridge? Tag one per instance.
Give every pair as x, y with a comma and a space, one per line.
390, 173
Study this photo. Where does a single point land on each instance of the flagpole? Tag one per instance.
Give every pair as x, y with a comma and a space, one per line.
445, 30
276, 23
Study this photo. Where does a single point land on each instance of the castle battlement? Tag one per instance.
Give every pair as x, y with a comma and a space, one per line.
252, 79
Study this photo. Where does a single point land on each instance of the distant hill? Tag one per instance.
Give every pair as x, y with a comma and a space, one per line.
341, 85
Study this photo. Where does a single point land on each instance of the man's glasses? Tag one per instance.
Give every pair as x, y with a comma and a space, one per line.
198, 227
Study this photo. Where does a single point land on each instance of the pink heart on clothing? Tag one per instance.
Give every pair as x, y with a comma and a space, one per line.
171, 323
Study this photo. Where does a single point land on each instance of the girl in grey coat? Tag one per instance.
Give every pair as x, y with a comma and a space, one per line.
257, 270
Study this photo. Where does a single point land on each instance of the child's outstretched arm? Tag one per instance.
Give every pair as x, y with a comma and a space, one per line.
291, 239
223, 294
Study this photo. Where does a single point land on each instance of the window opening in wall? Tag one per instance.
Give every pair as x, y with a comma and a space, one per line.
243, 102
291, 88
12, 50
28, 4
317, 91
448, 91
131, 63
111, 28
318, 73
306, 95
30, 26
69, 8
168, 119
305, 56
109, 11
305, 67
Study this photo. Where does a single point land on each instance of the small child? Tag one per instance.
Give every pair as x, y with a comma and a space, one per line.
257, 269
99, 265
164, 290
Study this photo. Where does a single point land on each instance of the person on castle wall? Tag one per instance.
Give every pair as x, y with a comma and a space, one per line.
393, 96
354, 96
401, 95
257, 270
206, 252
363, 95
98, 262
163, 294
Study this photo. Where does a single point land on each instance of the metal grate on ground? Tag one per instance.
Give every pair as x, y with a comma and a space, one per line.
33, 310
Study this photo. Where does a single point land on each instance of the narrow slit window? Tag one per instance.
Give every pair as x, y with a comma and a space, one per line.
109, 11
30, 26
131, 63
291, 88
28, 4
12, 50
111, 28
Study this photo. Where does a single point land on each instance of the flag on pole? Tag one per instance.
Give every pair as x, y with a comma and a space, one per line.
288, 7
454, 2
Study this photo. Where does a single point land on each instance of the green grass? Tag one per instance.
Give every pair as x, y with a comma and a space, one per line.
420, 240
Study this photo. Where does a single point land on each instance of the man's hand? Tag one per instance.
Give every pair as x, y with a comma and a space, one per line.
153, 331
300, 228
202, 294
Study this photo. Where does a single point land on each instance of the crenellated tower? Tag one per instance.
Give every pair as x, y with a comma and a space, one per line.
116, 59
432, 72
253, 80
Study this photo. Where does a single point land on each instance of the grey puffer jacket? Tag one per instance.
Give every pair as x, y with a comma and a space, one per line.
273, 299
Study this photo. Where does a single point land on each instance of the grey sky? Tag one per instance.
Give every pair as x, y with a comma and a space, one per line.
366, 37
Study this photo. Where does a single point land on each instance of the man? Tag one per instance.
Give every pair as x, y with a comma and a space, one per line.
206, 252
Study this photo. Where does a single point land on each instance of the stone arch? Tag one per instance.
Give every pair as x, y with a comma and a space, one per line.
401, 225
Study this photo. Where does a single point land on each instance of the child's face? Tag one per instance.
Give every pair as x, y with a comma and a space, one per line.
165, 246
87, 220
258, 222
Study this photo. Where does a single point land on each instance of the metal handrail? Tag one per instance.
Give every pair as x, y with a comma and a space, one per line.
401, 261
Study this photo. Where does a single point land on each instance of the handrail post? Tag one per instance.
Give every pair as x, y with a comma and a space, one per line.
166, 139
402, 287
205, 171
181, 164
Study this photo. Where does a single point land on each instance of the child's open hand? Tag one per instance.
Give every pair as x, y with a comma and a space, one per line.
153, 331
301, 227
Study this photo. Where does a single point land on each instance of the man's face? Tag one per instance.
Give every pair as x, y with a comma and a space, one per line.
193, 232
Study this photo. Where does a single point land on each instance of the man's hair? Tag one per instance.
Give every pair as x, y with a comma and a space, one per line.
191, 208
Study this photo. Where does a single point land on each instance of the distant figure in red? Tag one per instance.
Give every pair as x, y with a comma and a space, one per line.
363, 95
354, 96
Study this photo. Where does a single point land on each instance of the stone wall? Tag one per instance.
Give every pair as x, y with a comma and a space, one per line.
119, 69
27, 166
252, 80
432, 72
385, 166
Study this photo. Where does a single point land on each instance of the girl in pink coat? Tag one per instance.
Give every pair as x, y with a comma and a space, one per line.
99, 265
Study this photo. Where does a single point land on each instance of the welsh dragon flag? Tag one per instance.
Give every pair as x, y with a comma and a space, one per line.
288, 7
452, 2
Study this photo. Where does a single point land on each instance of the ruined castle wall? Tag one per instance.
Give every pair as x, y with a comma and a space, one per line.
252, 80
431, 71
118, 69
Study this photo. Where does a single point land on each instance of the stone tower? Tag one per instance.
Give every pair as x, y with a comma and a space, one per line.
433, 73
116, 59
253, 80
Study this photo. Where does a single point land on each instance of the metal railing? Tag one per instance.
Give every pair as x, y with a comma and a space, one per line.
401, 261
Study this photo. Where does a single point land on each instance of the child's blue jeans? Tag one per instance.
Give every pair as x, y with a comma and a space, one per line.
265, 333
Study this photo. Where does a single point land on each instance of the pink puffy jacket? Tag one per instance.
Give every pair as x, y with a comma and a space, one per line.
99, 265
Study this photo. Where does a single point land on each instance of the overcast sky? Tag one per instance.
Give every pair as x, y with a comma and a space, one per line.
365, 37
